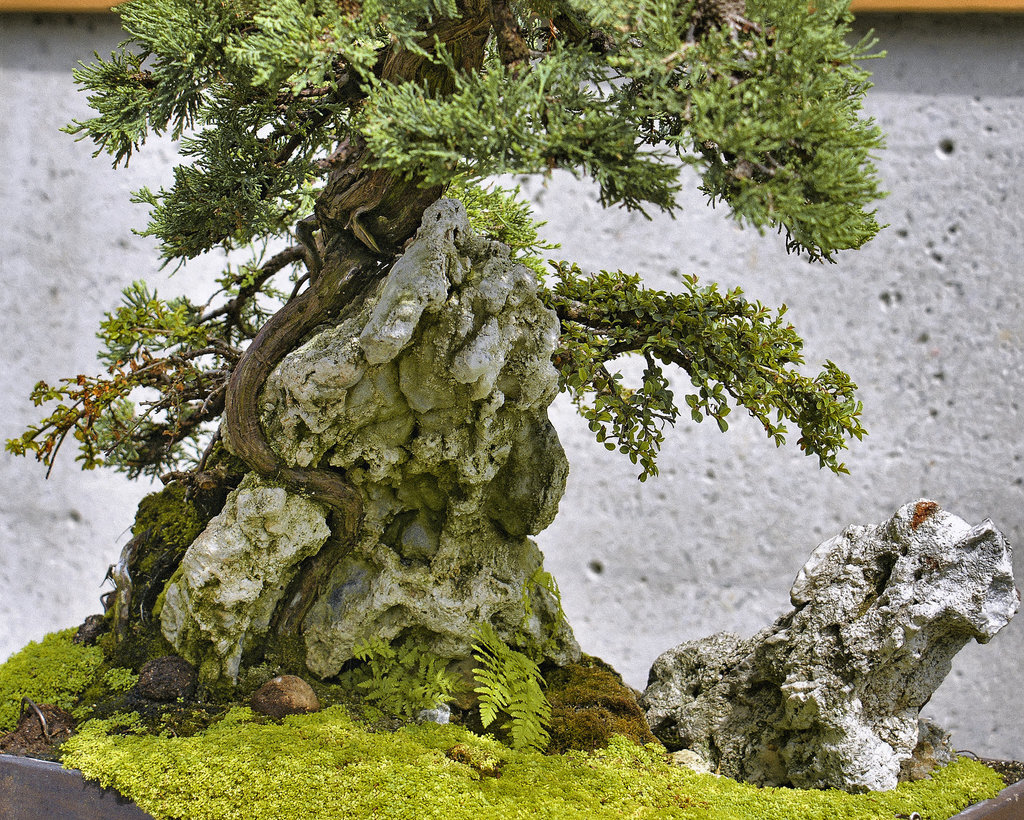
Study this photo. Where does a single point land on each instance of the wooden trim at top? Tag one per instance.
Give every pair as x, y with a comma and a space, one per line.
952, 6
856, 5
57, 5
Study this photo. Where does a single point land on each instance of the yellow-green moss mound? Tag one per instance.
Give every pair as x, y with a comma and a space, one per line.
54, 671
326, 766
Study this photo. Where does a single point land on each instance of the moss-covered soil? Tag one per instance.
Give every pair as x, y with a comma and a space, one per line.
330, 765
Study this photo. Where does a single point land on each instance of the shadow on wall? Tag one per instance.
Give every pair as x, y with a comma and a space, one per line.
966, 55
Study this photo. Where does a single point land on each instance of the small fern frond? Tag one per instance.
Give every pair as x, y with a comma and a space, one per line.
401, 679
510, 683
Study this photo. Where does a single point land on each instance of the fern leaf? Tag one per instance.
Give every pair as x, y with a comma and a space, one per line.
510, 682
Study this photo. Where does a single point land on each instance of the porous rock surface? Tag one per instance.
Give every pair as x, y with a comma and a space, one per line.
829, 695
234, 574
432, 398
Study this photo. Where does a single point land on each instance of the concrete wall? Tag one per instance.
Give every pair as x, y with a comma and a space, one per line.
929, 319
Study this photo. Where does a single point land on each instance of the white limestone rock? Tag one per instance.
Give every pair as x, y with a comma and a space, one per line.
689, 759
234, 574
829, 695
432, 398
441, 715
446, 437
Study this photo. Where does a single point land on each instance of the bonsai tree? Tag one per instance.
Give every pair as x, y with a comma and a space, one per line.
352, 428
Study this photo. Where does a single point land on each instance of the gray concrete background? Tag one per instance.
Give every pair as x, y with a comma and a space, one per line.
929, 320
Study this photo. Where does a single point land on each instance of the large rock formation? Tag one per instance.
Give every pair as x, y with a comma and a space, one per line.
432, 397
829, 695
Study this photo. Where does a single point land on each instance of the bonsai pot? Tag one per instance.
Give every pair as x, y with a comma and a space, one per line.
30, 789
1007, 805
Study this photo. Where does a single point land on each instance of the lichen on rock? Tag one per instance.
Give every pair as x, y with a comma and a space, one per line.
829, 695
235, 573
431, 396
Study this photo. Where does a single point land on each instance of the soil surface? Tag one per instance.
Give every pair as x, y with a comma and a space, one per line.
41, 730
1011, 771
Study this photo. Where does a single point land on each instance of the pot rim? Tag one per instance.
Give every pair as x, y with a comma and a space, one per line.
31, 788
1007, 805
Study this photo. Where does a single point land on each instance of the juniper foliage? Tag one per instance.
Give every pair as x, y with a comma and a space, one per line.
276, 101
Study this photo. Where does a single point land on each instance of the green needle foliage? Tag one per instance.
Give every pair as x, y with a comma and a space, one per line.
273, 101
730, 348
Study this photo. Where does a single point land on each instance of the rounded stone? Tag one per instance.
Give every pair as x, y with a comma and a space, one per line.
441, 714
690, 760
285, 695
167, 678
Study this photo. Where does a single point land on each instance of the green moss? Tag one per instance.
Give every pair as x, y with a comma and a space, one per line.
158, 604
120, 679
589, 705
166, 523
104, 695
325, 765
143, 641
169, 517
54, 671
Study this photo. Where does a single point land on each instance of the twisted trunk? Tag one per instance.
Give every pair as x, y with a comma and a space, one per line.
365, 215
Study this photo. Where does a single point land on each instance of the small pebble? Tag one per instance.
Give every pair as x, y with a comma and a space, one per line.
691, 760
442, 714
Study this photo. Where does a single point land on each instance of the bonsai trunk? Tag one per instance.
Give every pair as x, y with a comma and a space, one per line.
392, 423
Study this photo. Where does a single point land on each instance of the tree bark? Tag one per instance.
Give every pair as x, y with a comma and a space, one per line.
365, 215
